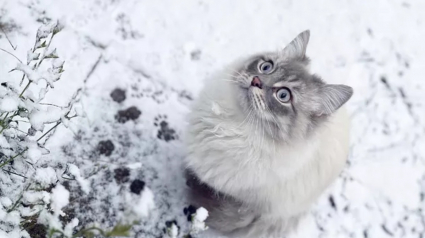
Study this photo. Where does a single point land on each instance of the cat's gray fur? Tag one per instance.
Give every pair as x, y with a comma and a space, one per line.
255, 163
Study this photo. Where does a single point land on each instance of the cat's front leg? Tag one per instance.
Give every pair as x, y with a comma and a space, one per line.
226, 214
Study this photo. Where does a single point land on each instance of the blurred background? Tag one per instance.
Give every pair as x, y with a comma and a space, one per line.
136, 65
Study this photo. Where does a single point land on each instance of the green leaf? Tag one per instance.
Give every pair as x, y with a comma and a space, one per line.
42, 45
89, 234
51, 57
120, 230
58, 27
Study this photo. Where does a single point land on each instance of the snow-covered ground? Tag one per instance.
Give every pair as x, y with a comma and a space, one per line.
157, 53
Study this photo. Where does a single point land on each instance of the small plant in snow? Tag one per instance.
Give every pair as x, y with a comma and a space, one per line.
198, 220
26, 123
30, 191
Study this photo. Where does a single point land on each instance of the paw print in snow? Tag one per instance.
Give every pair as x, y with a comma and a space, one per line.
131, 113
105, 147
118, 95
165, 132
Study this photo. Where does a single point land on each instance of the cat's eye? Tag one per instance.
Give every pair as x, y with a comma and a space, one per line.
283, 95
265, 67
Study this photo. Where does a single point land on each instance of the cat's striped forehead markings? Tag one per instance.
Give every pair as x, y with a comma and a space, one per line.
292, 78
289, 79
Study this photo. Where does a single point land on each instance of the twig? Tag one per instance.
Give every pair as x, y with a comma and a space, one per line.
20, 121
2, 129
51, 129
15, 156
21, 131
10, 172
11, 54
22, 80
19, 199
12, 158
72, 116
7, 114
49, 104
26, 87
93, 68
13, 47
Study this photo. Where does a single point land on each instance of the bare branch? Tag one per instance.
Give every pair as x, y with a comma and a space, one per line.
13, 47
11, 55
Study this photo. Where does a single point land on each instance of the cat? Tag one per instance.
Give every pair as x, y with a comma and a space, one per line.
264, 140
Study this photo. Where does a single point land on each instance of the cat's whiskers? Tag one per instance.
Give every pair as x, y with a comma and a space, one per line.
251, 120
256, 134
241, 79
250, 157
246, 120
240, 75
261, 104
262, 139
234, 77
230, 80
270, 128
244, 75
249, 114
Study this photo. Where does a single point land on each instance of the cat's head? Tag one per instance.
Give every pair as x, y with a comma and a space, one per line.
277, 90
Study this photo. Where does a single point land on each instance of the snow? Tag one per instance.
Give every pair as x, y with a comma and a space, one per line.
3, 142
134, 166
143, 205
69, 228
85, 185
59, 199
9, 104
36, 76
34, 153
159, 55
45, 176
198, 220
201, 214
32, 56
5, 201
216, 108
13, 234
174, 231
33, 197
41, 117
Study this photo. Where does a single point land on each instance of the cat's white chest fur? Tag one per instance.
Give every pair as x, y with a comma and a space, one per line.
237, 159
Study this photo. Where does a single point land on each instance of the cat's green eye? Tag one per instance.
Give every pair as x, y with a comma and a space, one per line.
265, 67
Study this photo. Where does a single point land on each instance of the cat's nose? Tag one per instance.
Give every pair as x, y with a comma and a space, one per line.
256, 82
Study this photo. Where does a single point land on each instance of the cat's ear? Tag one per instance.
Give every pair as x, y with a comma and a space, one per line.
331, 97
298, 46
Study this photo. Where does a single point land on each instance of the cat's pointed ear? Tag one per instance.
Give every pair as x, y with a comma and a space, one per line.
298, 46
331, 97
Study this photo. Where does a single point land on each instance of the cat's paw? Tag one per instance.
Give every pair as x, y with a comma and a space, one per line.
164, 131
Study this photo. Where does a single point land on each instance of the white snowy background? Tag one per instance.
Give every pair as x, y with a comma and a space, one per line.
157, 54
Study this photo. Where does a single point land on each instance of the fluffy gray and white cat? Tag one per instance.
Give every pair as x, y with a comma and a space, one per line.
264, 141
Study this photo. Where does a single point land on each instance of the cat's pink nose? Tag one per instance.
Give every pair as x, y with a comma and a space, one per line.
256, 82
